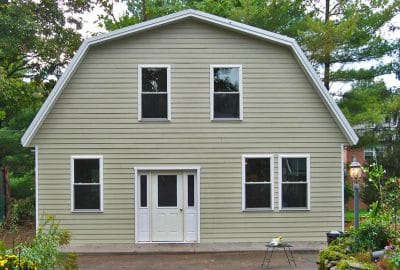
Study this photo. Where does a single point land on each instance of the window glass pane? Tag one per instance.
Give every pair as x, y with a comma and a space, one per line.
294, 195
167, 190
87, 197
257, 170
294, 170
154, 79
154, 106
191, 190
226, 105
86, 170
258, 196
143, 191
226, 79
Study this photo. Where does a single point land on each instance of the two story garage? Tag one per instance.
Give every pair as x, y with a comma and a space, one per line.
190, 128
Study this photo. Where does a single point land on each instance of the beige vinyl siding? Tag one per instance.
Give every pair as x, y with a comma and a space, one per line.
97, 115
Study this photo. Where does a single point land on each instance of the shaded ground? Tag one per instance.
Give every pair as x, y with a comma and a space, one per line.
196, 261
23, 233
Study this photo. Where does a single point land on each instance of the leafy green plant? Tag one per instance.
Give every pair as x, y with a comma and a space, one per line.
394, 258
371, 235
22, 187
44, 249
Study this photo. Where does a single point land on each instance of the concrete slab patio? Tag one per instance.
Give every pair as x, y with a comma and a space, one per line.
250, 260
166, 248
210, 256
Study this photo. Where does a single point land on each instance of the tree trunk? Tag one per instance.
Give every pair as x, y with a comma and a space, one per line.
144, 12
327, 64
7, 193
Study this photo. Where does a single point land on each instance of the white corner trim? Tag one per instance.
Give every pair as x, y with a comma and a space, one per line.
308, 167
240, 27
72, 180
212, 90
343, 180
272, 192
36, 188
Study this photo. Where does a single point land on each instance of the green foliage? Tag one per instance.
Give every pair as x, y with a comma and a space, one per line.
394, 257
22, 187
348, 191
332, 253
44, 248
372, 235
22, 210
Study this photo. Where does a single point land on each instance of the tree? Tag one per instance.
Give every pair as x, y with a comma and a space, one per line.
36, 43
345, 33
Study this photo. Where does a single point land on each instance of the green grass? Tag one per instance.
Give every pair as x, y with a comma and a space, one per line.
349, 215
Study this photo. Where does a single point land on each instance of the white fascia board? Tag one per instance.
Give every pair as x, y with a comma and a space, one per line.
240, 27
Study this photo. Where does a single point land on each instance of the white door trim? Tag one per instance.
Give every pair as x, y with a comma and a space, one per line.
166, 168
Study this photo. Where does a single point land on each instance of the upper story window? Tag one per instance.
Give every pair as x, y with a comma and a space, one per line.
226, 92
87, 183
154, 100
294, 178
257, 182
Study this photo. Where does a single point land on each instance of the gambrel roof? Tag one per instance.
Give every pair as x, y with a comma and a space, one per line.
208, 18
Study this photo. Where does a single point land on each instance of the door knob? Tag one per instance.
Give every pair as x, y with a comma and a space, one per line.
180, 209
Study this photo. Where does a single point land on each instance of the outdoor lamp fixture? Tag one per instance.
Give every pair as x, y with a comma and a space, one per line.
356, 173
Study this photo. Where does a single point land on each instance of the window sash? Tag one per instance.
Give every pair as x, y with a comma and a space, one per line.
236, 113
79, 183
283, 192
269, 206
166, 92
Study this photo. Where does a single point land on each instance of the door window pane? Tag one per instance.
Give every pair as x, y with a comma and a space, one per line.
143, 191
167, 191
191, 190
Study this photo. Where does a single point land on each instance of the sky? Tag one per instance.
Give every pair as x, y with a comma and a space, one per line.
90, 26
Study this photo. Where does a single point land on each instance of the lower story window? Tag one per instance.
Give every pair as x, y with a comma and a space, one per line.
257, 182
295, 181
87, 180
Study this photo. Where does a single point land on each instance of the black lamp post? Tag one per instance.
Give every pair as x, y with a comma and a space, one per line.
356, 173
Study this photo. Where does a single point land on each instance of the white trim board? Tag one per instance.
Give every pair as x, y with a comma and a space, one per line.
205, 17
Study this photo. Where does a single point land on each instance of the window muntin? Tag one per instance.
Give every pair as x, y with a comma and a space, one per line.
257, 182
294, 178
154, 92
226, 92
87, 174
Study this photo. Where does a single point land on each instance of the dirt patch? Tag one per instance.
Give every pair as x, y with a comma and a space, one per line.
23, 234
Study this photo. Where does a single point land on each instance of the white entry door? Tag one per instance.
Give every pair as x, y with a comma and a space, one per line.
167, 207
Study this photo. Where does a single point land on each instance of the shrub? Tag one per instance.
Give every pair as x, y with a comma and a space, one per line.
22, 187
44, 248
23, 210
373, 234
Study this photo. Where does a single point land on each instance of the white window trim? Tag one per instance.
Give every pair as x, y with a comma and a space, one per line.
271, 164
307, 157
139, 79
100, 158
212, 92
